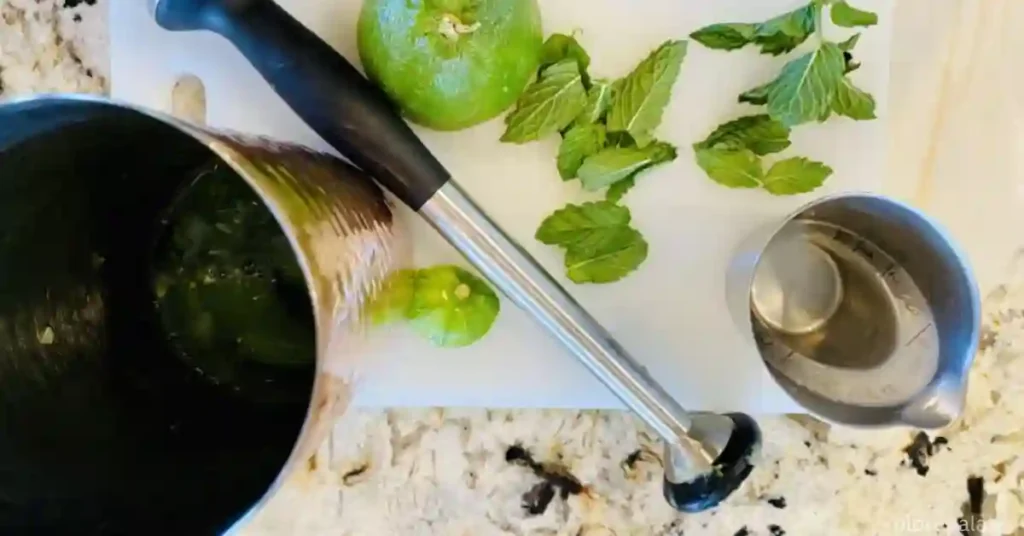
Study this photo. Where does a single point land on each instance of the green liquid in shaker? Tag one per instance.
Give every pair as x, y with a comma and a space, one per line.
229, 292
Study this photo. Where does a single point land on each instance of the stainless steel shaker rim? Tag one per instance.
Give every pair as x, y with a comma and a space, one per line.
323, 388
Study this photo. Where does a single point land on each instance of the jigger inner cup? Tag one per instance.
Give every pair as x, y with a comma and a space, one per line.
815, 295
797, 286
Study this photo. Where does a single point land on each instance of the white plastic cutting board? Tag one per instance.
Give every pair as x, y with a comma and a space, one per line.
670, 314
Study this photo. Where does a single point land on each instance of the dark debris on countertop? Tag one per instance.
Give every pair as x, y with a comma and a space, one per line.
350, 477
632, 464
778, 502
672, 529
776, 530
554, 478
630, 461
742, 532
538, 498
74, 8
921, 450
971, 521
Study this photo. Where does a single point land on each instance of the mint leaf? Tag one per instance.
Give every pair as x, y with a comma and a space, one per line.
784, 33
853, 102
619, 188
642, 96
849, 44
620, 139
600, 245
452, 307
599, 96
775, 36
735, 168
759, 133
796, 23
620, 252
559, 47
616, 163
778, 44
548, 105
617, 88
846, 47
582, 226
847, 16
728, 36
579, 142
757, 96
615, 192
795, 175
804, 90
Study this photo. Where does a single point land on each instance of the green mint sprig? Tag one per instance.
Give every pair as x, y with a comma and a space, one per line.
606, 118
607, 142
731, 156
600, 245
811, 87
776, 36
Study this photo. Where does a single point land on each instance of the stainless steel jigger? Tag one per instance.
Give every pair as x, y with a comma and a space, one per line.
707, 455
863, 309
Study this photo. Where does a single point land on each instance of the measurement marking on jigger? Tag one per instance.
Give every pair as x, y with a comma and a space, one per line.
918, 335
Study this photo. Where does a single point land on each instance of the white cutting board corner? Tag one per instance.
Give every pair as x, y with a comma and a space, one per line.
671, 313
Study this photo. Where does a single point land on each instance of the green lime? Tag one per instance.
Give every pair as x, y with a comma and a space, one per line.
452, 307
450, 64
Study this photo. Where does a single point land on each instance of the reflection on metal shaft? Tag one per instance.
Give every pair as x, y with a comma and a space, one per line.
520, 278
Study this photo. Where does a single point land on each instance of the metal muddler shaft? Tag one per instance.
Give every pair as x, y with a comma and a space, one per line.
706, 455
519, 276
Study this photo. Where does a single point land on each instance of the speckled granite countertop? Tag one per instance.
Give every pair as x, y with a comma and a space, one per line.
591, 473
